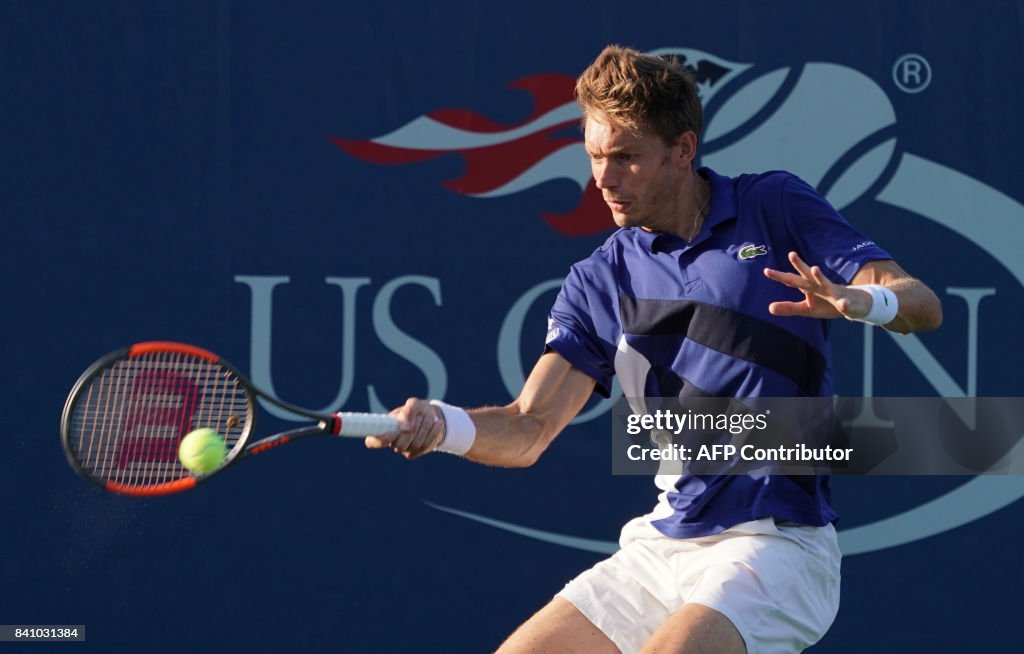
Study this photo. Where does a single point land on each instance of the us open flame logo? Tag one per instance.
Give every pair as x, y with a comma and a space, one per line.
832, 125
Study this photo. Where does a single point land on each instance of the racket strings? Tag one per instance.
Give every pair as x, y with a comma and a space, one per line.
131, 416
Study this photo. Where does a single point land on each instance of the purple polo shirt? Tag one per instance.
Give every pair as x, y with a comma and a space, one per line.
672, 318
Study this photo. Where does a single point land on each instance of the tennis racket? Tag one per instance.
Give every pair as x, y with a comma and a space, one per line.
126, 416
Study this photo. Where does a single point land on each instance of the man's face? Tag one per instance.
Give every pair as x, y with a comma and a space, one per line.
640, 177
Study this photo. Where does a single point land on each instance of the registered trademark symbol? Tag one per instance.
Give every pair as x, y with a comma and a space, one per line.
912, 73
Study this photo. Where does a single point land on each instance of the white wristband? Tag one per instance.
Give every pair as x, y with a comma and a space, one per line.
459, 430
884, 304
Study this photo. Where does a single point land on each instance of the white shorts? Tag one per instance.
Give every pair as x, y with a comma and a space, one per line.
777, 584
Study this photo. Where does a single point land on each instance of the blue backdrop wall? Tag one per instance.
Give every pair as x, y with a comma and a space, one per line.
358, 202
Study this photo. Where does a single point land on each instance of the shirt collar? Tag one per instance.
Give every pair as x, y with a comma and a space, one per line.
723, 198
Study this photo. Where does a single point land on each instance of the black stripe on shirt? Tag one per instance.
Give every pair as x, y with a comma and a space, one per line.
730, 332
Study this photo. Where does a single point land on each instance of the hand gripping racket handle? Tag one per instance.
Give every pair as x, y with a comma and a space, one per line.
363, 424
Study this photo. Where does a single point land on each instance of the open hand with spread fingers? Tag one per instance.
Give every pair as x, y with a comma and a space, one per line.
822, 298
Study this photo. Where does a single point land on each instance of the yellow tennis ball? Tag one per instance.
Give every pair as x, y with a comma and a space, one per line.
202, 450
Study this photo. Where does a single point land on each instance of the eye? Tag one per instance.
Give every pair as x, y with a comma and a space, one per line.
625, 157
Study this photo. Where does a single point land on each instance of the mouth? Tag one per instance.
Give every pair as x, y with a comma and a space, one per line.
618, 206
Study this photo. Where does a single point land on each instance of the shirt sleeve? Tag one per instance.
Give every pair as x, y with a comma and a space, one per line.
823, 236
572, 333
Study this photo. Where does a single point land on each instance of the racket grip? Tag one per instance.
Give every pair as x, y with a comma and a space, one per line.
364, 424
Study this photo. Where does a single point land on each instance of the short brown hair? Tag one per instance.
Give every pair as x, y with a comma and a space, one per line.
640, 91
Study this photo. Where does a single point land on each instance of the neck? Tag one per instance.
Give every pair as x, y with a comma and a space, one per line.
684, 215
687, 213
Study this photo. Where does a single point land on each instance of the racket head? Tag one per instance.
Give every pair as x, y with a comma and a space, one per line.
126, 415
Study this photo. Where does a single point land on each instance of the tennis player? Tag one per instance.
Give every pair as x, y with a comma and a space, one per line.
713, 286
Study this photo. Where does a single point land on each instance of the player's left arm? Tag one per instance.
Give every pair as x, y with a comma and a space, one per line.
919, 308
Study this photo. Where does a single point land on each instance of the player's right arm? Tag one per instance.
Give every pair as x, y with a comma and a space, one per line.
514, 435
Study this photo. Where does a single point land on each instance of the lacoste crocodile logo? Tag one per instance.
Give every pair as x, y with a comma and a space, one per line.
751, 251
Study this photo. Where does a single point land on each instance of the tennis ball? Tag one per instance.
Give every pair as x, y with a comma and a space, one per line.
202, 450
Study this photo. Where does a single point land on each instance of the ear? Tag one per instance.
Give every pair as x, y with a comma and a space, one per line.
687, 144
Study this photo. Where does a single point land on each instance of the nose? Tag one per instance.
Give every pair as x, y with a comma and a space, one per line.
605, 176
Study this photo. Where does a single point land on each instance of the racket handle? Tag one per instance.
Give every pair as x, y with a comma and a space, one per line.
363, 424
